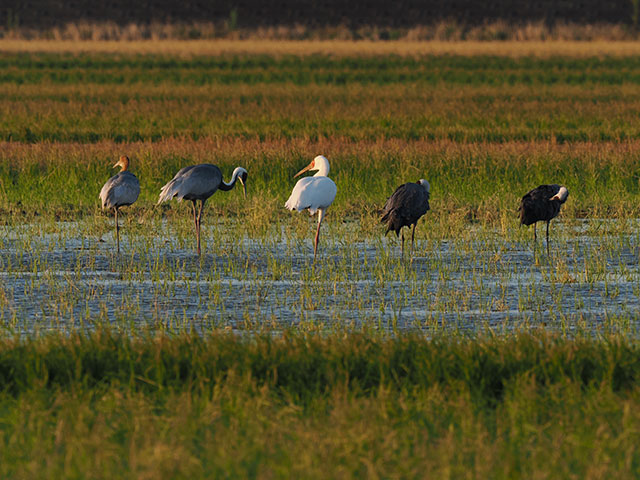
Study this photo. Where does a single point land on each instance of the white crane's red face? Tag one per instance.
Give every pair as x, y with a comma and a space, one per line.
311, 166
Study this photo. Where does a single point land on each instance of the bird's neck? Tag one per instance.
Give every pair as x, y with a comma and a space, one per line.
323, 171
228, 186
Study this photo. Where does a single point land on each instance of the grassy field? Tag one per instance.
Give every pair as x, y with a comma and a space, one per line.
479, 357
343, 405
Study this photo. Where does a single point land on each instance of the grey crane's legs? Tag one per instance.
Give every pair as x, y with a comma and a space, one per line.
197, 219
402, 244
535, 237
117, 230
195, 223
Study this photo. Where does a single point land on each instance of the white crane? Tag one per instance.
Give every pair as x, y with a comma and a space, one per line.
120, 190
315, 193
199, 182
542, 204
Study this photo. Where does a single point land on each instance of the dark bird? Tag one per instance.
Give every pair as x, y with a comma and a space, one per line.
542, 204
405, 207
199, 182
120, 190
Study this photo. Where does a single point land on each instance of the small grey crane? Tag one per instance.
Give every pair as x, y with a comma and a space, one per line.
120, 190
199, 182
405, 207
542, 204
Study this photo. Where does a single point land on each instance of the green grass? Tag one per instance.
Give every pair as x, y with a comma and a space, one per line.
330, 406
30, 68
476, 182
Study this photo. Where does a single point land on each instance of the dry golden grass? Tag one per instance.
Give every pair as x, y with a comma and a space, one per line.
338, 48
444, 30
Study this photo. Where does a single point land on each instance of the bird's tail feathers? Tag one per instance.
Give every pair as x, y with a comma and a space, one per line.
393, 222
167, 193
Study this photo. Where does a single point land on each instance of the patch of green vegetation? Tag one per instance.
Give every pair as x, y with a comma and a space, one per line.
316, 69
316, 405
480, 182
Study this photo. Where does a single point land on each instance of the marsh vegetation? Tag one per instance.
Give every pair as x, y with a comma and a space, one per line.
477, 353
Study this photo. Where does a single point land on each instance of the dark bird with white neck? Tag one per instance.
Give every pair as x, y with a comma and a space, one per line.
405, 207
542, 204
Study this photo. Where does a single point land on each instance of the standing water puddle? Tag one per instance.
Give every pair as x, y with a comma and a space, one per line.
60, 281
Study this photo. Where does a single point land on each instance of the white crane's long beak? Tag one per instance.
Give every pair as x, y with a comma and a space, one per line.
305, 169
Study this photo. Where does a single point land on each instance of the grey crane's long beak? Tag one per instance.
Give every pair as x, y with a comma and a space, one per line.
305, 169
244, 190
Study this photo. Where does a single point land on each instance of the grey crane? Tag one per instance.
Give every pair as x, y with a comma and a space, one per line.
120, 190
405, 207
199, 182
542, 204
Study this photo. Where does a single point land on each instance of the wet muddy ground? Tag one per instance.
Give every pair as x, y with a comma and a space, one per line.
71, 277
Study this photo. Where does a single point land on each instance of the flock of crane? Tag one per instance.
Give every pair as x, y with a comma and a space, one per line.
404, 207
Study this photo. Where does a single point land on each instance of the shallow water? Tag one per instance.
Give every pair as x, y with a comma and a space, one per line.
71, 277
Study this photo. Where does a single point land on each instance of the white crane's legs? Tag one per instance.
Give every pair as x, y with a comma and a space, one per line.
315, 245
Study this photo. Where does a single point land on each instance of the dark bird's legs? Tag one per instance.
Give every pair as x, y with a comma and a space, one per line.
413, 232
535, 236
197, 218
547, 238
117, 230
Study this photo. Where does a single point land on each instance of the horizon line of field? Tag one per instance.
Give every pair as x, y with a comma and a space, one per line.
336, 48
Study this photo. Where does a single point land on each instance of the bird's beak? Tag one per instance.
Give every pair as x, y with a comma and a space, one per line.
116, 165
244, 187
305, 169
